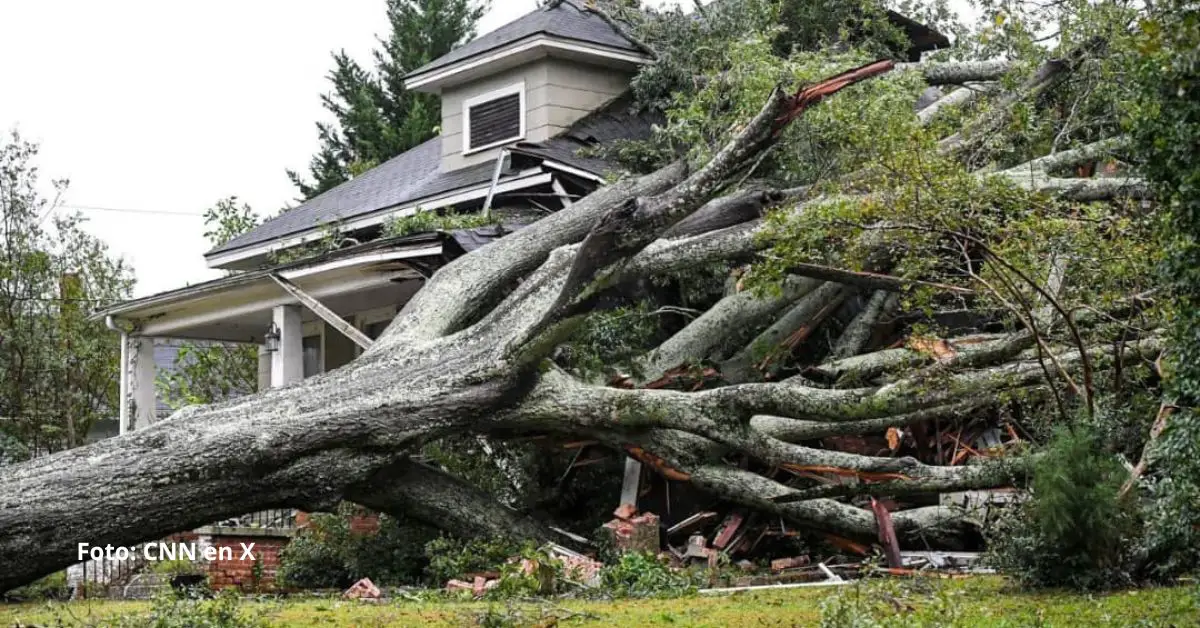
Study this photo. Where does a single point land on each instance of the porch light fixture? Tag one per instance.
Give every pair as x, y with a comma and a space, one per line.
271, 338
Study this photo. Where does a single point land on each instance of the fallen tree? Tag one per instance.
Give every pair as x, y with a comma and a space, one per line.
475, 352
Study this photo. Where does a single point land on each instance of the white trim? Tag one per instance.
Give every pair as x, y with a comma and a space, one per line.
362, 319
509, 90
170, 327
524, 180
561, 191
583, 174
436, 78
385, 256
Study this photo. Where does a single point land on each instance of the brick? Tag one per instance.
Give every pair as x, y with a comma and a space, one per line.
638, 534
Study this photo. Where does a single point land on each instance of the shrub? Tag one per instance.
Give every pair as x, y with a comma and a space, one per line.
328, 555
1074, 530
177, 567
454, 558
644, 575
52, 587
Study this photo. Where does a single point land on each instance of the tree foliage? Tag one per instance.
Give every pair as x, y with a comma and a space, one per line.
374, 117
58, 369
1166, 124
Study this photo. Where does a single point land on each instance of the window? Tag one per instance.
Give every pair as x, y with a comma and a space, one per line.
494, 118
311, 346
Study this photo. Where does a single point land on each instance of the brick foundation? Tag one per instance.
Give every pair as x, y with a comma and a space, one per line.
232, 571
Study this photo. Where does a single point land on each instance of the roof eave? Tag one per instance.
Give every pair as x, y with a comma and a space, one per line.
224, 283
232, 258
535, 46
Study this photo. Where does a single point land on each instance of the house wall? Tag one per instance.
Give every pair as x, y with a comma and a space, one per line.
558, 92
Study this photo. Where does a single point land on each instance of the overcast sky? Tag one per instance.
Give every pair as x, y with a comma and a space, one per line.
165, 107
169, 106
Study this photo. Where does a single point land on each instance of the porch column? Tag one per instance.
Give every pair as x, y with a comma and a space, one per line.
142, 372
287, 363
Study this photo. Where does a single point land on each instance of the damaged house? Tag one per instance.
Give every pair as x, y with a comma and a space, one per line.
520, 106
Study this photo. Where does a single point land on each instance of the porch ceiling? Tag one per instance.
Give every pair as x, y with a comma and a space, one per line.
238, 308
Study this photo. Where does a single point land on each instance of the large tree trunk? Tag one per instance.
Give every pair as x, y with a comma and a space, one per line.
469, 354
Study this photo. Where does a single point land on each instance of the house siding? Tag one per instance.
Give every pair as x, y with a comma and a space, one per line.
558, 93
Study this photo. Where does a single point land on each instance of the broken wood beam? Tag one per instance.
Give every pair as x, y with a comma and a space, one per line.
691, 523
887, 534
326, 314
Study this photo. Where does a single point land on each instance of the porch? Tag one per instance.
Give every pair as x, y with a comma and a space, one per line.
306, 318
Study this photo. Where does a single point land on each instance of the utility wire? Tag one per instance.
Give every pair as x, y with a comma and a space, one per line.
128, 210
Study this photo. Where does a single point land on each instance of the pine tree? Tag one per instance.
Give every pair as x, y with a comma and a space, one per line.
376, 118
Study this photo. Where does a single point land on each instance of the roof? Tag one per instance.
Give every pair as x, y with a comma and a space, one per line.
416, 174
410, 176
619, 120
563, 19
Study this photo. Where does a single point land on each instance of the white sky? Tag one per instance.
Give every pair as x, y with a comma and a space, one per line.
169, 106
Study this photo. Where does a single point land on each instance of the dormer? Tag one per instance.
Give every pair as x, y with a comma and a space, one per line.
527, 81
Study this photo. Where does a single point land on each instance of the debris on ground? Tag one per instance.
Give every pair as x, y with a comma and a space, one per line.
364, 590
633, 532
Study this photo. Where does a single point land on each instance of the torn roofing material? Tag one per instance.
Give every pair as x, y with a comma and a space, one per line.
619, 120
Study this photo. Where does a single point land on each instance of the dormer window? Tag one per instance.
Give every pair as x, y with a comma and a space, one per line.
494, 118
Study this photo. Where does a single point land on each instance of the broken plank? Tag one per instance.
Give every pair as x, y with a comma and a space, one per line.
691, 523
728, 529
887, 534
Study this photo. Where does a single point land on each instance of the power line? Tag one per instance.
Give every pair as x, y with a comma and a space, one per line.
129, 210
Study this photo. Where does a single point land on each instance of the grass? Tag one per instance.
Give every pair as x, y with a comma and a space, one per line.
969, 602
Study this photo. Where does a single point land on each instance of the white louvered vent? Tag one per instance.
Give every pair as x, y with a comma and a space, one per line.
494, 119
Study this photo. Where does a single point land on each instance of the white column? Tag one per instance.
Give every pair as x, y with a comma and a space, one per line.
264, 368
125, 401
287, 363
630, 484
141, 382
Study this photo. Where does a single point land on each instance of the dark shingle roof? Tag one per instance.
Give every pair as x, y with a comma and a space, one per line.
616, 121
410, 176
415, 175
562, 19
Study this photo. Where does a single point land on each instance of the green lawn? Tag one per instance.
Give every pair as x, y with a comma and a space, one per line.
972, 602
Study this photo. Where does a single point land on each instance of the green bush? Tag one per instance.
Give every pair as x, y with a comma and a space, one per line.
1074, 530
52, 587
177, 567
644, 575
454, 558
328, 555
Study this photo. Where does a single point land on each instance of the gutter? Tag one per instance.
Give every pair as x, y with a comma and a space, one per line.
123, 415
